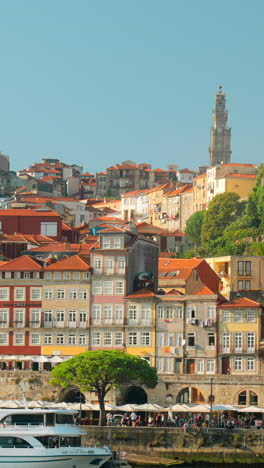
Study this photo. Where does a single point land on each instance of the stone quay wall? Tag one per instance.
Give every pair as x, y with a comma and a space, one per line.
213, 445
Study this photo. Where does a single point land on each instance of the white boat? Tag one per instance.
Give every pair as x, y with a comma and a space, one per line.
36, 438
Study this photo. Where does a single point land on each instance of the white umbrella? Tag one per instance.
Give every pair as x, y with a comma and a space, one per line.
149, 407
223, 408
34, 404
178, 408
27, 358
251, 409
96, 407
127, 407
9, 404
199, 409
41, 359
62, 405
56, 359
10, 358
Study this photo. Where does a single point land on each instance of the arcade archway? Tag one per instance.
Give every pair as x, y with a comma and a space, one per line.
72, 395
134, 395
190, 395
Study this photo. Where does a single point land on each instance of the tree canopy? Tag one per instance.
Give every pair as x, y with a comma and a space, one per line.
100, 371
193, 228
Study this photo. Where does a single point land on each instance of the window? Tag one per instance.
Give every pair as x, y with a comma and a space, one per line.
240, 268
4, 294
251, 316
19, 339
210, 366
145, 338
4, 313
250, 364
121, 265
60, 316
83, 316
118, 338
73, 294
48, 294
26, 275
35, 294
169, 339
82, 340
72, 316
86, 275
97, 265
238, 363
110, 264
47, 339
66, 275
36, 274
47, 275
4, 339
106, 242
35, 339
211, 339
238, 316
132, 338
57, 275
60, 339
146, 312
117, 242
169, 364
226, 316
160, 312
240, 285
169, 312
250, 342
119, 313
190, 312
76, 275
108, 313
160, 339
211, 309
97, 287
60, 293
19, 317
179, 312
48, 316
17, 275
20, 294
159, 365
191, 340
8, 275
248, 268
107, 338
247, 284
238, 341
119, 287
35, 316
242, 398
72, 339
49, 229
83, 294
178, 339
200, 366
95, 338
253, 398
96, 312
226, 342
132, 312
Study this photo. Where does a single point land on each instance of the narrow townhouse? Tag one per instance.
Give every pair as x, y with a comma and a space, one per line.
122, 261
66, 308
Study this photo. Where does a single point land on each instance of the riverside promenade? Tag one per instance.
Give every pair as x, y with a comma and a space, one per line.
209, 446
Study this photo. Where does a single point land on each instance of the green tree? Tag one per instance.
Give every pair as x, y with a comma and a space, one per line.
100, 371
193, 228
255, 204
222, 211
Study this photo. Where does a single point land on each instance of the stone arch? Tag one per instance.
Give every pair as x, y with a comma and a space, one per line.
134, 394
71, 395
190, 395
246, 397
169, 398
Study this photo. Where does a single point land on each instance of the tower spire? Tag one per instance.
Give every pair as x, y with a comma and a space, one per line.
219, 149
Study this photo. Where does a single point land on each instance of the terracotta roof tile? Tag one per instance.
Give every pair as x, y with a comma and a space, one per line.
240, 302
25, 263
203, 292
144, 292
27, 212
74, 263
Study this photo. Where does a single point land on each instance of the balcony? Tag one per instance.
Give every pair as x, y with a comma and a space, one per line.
34, 324
4, 324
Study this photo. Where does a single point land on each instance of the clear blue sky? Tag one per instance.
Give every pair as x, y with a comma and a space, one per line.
98, 82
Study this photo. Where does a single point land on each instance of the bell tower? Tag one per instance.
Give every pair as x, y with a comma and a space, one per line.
219, 149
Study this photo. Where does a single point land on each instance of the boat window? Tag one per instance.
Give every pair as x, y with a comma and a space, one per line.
96, 461
55, 441
64, 418
49, 442
24, 419
8, 442
49, 419
70, 441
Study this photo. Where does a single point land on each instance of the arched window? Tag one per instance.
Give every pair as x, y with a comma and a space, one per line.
242, 398
253, 398
169, 398
190, 395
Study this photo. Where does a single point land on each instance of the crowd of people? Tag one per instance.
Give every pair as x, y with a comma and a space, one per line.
197, 421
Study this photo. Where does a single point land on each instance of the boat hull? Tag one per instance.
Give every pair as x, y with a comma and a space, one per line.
65, 460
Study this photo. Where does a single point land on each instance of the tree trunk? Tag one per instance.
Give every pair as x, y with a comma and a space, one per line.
102, 410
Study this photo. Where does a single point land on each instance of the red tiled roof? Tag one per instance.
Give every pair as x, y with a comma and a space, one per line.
184, 188
242, 176
238, 164
59, 247
240, 302
74, 263
144, 292
200, 176
27, 212
25, 263
203, 292
109, 218
174, 292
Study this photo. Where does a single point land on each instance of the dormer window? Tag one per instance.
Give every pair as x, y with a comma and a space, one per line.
8, 274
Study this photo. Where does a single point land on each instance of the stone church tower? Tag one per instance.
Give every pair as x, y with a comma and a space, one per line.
219, 149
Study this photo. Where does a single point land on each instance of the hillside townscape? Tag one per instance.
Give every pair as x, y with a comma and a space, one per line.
162, 263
